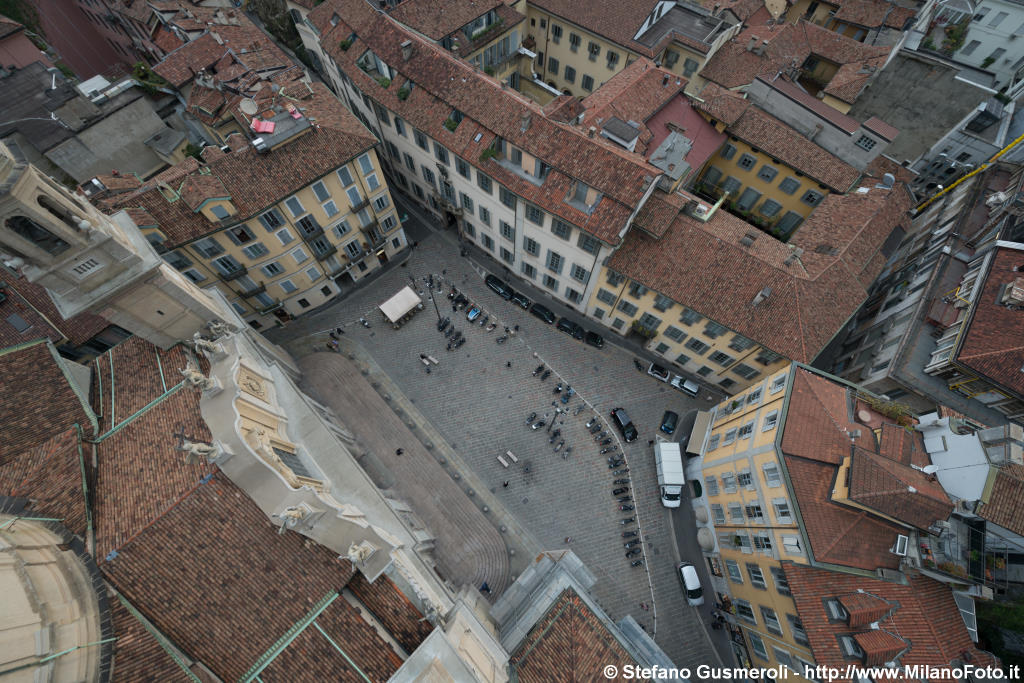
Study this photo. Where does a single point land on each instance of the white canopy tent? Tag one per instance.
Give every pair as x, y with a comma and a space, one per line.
401, 306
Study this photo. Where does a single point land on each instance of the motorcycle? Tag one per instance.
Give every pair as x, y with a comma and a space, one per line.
612, 464
558, 388
638, 365
568, 450
579, 409
636, 563
628, 520
558, 446
540, 369
592, 421
554, 435
565, 399
633, 552
545, 375
449, 332
622, 471
571, 392
600, 436
595, 429
625, 506
608, 450
485, 320
364, 322
605, 442
629, 534
624, 499
462, 340
442, 325
538, 424
621, 481
502, 339
531, 418
490, 328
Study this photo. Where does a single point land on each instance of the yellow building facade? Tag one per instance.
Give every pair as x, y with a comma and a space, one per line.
754, 521
686, 339
299, 252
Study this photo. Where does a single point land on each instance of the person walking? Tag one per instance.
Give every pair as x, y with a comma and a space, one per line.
504, 484
399, 451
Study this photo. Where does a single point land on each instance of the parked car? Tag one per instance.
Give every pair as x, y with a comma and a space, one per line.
691, 584
669, 421
594, 339
658, 372
687, 386
570, 328
625, 425
520, 300
503, 290
543, 313
473, 313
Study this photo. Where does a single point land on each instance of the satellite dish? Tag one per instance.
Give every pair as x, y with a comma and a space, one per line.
930, 469
249, 107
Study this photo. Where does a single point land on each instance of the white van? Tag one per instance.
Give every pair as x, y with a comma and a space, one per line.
687, 386
691, 584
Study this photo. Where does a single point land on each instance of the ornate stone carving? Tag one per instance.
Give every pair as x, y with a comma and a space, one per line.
252, 384
217, 328
358, 554
195, 450
201, 344
196, 378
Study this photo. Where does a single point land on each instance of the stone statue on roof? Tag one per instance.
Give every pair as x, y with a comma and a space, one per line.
196, 378
196, 450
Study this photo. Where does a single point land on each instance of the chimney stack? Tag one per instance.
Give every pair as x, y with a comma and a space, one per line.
591, 131
665, 79
524, 123
406, 50
752, 43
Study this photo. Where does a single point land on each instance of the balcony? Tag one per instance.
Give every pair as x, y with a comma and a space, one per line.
235, 274
253, 292
356, 208
326, 254
313, 233
271, 308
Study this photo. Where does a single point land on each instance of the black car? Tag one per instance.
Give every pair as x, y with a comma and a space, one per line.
669, 421
503, 290
520, 300
594, 339
570, 328
619, 491
625, 425
543, 313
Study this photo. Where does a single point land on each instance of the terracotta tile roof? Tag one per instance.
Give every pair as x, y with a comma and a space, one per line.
33, 304
897, 490
200, 188
227, 591
879, 646
1005, 503
865, 608
9, 26
39, 401
818, 422
990, 343
657, 214
721, 104
166, 39
443, 82
438, 18
811, 296
847, 124
138, 655
848, 82
563, 108
141, 218
181, 65
882, 128
926, 619
788, 45
873, 13
569, 643
775, 138
905, 446
51, 476
616, 21
391, 608
743, 9
253, 181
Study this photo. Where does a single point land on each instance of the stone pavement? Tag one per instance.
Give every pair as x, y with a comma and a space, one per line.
479, 407
468, 548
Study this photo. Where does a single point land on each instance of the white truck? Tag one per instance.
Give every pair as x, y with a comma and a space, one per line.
668, 459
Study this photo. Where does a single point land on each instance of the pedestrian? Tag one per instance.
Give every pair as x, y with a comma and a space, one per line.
650, 442
484, 588
339, 330
508, 364
504, 484
399, 451
333, 336
516, 328
568, 539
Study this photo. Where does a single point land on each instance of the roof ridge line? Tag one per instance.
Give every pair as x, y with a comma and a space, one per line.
144, 409
158, 636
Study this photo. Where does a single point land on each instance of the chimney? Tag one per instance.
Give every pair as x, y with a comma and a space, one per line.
714, 10
665, 79
759, 49
591, 131
406, 50
794, 256
524, 123
752, 43
761, 296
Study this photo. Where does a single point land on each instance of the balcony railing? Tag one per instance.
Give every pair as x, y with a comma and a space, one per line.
324, 255
271, 308
235, 274
253, 292
356, 208
312, 234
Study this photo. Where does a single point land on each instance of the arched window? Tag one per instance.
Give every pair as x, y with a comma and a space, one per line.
36, 234
57, 211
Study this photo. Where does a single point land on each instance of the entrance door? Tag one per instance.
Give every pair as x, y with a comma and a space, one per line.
382, 257
282, 315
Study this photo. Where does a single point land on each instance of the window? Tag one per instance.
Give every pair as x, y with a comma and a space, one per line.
428, 175
754, 397
227, 265
713, 441
746, 161
789, 185
613, 59
767, 173
255, 250
782, 515
587, 83
757, 646
779, 578
729, 479
599, 313
294, 206
783, 658
386, 223
770, 207
587, 243
485, 215
718, 513
744, 478
569, 74
996, 54
981, 14
697, 346
320, 190
330, 209
470, 230
663, 302
756, 576
763, 542
579, 273
674, 333
721, 358
736, 513
240, 234
556, 33
593, 50
711, 485
791, 544
313, 273
850, 648
507, 198
555, 262
745, 432
441, 153
208, 247
288, 286
345, 175
400, 126
560, 228
507, 255
689, 66
462, 167
486, 242
812, 198
272, 219
553, 65
766, 357
733, 569
689, 317
744, 611
770, 421
531, 246
551, 283
777, 384
628, 308
997, 19
649, 321
300, 255
484, 182
194, 275
797, 627
341, 228
421, 140
971, 47
713, 329
272, 269
534, 215
771, 620
540, 60
574, 42
467, 202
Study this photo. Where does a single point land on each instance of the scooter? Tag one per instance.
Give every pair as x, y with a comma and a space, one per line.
540, 369
462, 340
624, 499
485, 320
364, 322
636, 563
595, 429
622, 471
502, 339
579, 409
545, 375
628, 520
443, 324
630, 534
613, 463
531, 418
554, 435
558, 446
490, 328
608, 450
605, 442
600, 436
571, 392
626, 507
633, 552
538, 424
568, 450
592, 421
558, 388
565, 399
449, 332
638, 365
621, 481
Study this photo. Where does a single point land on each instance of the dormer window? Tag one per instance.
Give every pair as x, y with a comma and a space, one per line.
850, 648
335, 19
836, 612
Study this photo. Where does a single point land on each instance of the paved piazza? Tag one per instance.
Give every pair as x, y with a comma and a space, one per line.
479, 407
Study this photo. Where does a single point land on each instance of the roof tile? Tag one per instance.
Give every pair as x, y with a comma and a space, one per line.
1005, 504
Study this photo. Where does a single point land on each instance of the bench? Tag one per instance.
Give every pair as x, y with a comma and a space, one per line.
503, 462
432, 360
512, 456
